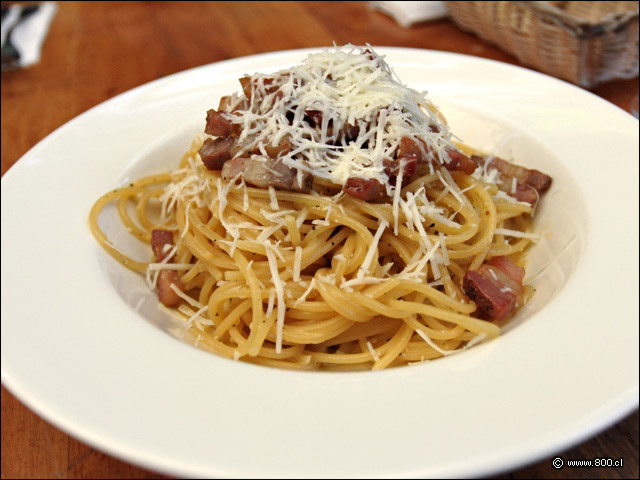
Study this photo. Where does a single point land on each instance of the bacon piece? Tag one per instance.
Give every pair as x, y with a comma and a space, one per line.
250, 86
535, 178
530, 184
279, 150
408, 154
392, 167
160, 238
215, 152
267, 172
218, 124
347, 133
495, 288
313, 117
524, 193
459, 162
369, 54
363, 188
409, 148
166, 294
227, 101
514, 272
169, 298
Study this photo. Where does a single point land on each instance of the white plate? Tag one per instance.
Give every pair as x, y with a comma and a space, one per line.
75, 351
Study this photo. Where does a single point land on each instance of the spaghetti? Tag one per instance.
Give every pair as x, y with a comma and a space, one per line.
318, 276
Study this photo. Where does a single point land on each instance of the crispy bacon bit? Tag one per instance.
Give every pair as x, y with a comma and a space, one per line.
215, 152
266, 172
409, 154
369, 54
459, 162
218, 124
530, 184
514, 272
524, 193
169, 298
495, 288
313, 117
227, 101
249, 86
409, 148
160, 238
392, 167
279, 150
347, 133
363, 188
535, 178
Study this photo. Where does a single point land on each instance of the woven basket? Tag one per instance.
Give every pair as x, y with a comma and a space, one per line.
586, 43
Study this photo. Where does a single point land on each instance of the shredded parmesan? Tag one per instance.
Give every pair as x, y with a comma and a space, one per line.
372, 351
274, 199
364, 268
311, 286
535, 237
297, 258
348, 85
279, 286
186, 297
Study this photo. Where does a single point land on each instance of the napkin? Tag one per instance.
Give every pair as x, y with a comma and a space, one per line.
408, 13
24, 28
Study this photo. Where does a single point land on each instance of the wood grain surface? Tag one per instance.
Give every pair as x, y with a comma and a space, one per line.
96, 50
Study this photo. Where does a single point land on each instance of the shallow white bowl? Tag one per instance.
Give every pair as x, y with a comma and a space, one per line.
80, 338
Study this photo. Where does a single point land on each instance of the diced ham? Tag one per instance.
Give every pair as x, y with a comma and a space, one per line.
169, 298
215, 152
267, 172
495, 288
218, 124
363, 188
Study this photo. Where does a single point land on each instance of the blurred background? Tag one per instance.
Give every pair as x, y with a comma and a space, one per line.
62, 58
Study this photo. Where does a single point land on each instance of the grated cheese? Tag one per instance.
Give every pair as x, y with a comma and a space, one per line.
297, 258
350, 87
311, 286
186, 297
274, 199
535, 237
372, 249
279, 286
372, 351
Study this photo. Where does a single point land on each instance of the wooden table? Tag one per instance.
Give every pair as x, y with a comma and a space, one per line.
96, 50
